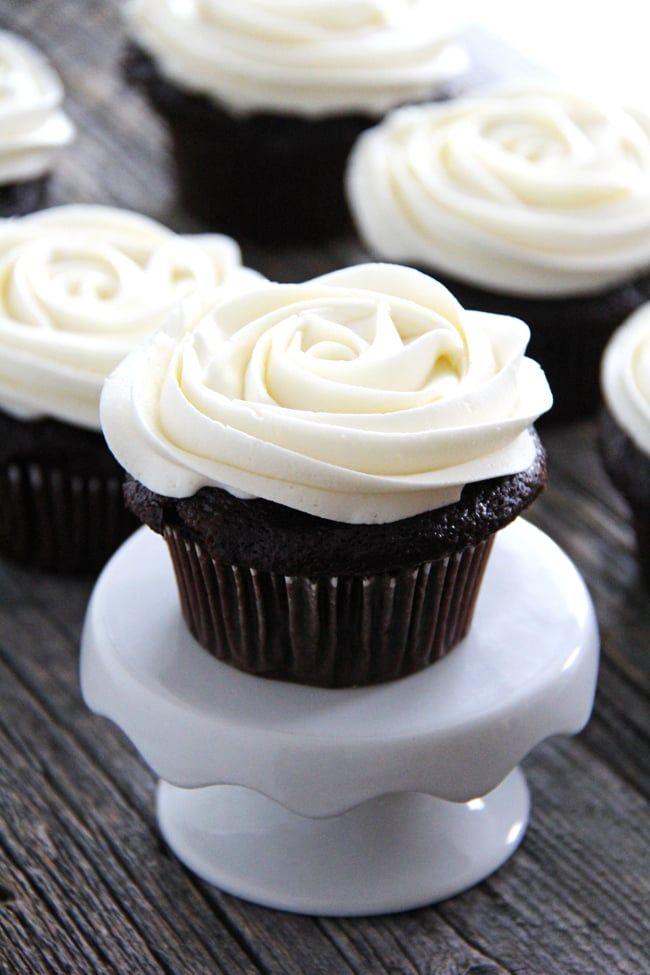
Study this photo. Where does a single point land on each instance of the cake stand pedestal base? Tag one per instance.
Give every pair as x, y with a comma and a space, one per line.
389, 854
345, 802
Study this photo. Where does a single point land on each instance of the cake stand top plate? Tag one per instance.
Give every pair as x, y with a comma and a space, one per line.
526, 670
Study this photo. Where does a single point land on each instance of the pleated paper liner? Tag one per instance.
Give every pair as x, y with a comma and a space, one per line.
331, 632
641, 519
265, 176
629, 469
55, 519
19, 199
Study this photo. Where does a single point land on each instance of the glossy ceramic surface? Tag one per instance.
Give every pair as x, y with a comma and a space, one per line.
375, 757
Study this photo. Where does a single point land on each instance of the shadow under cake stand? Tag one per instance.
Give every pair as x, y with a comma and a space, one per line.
345, 802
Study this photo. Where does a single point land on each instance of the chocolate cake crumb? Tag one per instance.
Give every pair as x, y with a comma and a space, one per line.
273, 538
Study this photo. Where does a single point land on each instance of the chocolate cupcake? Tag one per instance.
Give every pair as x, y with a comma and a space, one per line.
532, 201
328, 464
263, 100
625, 422
79, 287
32, 125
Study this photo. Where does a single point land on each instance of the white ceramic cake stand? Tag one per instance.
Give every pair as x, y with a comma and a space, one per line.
345, 802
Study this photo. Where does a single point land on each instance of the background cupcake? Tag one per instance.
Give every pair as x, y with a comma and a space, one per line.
79, 286
625, 422
328, 463
32, 125
530, 201
264, 99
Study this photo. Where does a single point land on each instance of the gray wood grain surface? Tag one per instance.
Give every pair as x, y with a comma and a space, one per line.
87, 886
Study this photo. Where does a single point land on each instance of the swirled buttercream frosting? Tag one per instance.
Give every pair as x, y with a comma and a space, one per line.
625, 377
364, 396
537, 190
80, 286
32, 124
305, 57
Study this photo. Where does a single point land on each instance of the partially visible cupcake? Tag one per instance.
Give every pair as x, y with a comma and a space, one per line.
79, 287
625, 422
32, 125
328, 464
531, 201
264, 100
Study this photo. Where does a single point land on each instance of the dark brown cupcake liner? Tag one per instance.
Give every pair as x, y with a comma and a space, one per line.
241, 178
266, 177
53, 518
336, 631
641, 521
629, 470
19, 199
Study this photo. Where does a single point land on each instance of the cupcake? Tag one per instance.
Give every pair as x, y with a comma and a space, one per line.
32, 125
328, 464
79, 287
531, 201
625, 422
264, 100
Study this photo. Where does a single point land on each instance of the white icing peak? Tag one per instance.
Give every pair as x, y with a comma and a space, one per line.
309, 57
367, 395
625, 377
32, 124
533, 190
80, 286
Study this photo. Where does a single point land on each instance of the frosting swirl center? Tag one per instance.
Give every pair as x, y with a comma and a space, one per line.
92, 285
364, 396
538, 191
80, 286
346, 355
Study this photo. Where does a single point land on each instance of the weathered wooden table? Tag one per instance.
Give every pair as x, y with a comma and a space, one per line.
87, 886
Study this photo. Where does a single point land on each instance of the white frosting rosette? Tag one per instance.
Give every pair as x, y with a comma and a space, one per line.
80, 286
533, 190
32, 124
364, 396
308, 57
625, 377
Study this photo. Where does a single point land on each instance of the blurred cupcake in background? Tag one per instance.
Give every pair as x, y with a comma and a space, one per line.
625, 422
264, 99
329, 463
79, 287
32, 125
532, 201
